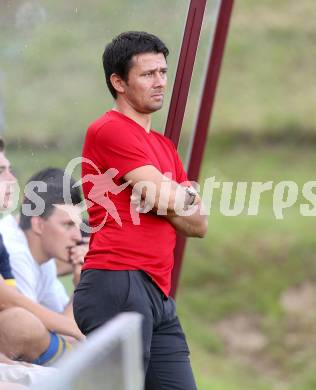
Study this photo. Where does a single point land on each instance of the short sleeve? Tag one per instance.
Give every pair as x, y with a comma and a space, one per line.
181, 173
120, 146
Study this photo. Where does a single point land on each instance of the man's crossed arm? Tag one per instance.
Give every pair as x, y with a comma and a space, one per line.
169, 199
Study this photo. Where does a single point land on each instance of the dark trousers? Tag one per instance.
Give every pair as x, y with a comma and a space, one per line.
102, 294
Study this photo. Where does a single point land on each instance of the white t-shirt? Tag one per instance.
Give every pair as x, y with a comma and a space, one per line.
38, 282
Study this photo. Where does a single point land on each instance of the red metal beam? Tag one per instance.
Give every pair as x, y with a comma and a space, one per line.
184, 71
204, 116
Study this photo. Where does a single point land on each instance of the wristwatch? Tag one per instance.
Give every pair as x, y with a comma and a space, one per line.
192, 192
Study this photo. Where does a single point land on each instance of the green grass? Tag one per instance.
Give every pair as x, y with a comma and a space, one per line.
54, 66
245, 263
266, 82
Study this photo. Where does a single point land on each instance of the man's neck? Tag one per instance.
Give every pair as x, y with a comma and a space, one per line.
35, 247
144, 120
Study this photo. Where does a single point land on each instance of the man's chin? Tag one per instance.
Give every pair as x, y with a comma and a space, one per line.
154, 107
64, 257
6, 207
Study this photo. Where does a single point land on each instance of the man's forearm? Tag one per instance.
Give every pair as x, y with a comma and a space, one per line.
166, 197
68, 311
194, 225
56, 322
156, 191
187, 219
10, 297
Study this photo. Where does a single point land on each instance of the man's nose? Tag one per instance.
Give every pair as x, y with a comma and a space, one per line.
76, 234
159, 80
9, 177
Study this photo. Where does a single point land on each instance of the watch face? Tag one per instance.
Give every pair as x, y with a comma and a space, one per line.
191, 191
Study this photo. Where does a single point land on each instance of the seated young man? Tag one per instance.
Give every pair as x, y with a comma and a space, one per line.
28, 330
46, 230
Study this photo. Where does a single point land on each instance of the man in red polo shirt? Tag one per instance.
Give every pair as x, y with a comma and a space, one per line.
130, 259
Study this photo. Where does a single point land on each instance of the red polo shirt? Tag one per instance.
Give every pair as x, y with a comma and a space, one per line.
116, 141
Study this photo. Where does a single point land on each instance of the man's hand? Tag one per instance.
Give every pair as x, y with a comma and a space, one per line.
76, 258
78, 252
76, 272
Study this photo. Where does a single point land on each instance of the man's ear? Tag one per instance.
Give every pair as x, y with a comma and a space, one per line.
118, 83
37, 224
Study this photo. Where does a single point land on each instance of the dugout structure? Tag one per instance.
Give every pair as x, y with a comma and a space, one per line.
110, 359
181, 90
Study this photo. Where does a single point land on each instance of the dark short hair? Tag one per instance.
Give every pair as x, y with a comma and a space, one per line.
1, 145
54, 178
117, 56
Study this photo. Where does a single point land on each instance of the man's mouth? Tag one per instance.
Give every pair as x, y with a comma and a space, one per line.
158, 95
8, 196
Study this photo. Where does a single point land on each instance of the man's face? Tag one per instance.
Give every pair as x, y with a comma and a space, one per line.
147, 80
60, 231
7, 182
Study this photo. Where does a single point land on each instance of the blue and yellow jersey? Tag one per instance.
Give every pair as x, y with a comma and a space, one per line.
5, 268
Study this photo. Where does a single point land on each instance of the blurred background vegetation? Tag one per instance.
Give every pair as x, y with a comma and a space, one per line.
247, 296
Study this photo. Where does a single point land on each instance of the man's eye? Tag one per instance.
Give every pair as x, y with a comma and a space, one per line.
68, 225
